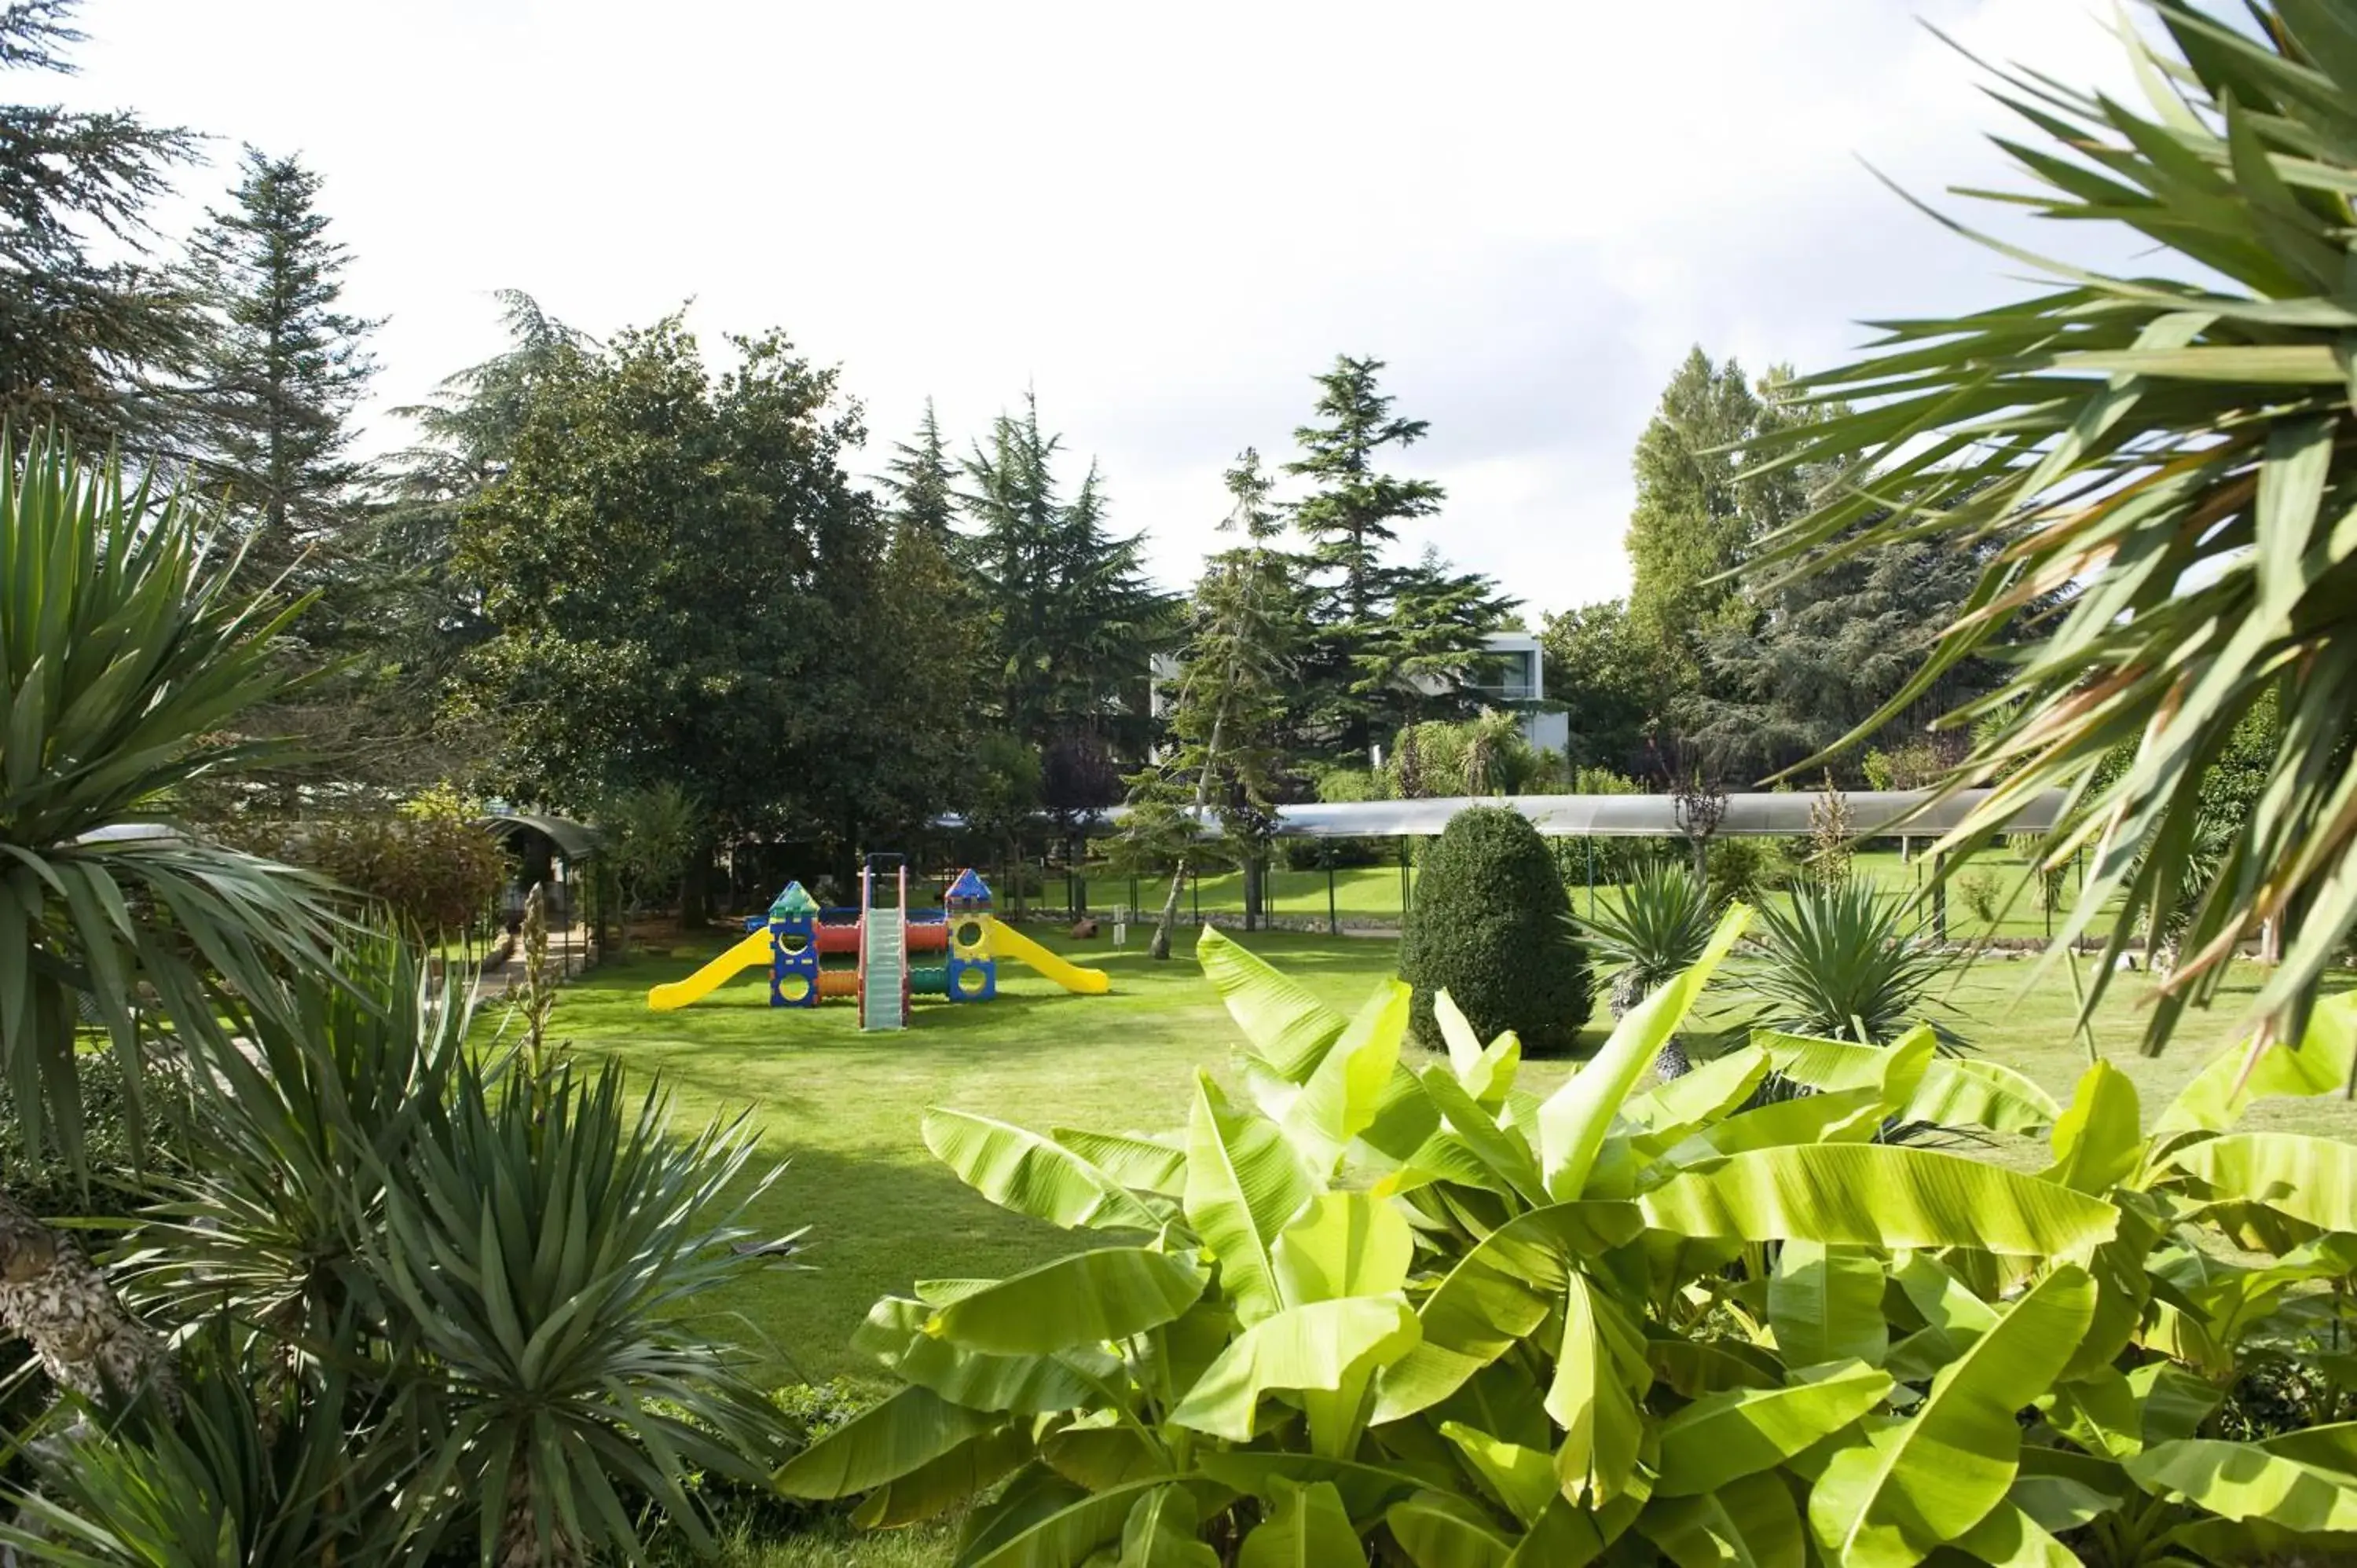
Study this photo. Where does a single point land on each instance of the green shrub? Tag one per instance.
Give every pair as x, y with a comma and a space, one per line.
1849, 962
1489, 926
1743, 871
1980, 891
1629, 1326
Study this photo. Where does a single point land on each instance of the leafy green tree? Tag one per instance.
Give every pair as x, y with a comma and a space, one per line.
467, 430
1223, 757
1699, 511
279, 371
2177, 444
1827, 651
1073, 618
90, 331
656, 565
1387, 643
1603, 674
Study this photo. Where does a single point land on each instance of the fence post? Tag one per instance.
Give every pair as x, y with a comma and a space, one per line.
1333, 924
1591, 876
1939, 898
1405, 891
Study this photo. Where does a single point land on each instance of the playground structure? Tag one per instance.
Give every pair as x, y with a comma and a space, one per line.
797, 936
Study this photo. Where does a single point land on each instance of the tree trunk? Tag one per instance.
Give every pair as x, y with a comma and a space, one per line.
1160, 946
55, 1298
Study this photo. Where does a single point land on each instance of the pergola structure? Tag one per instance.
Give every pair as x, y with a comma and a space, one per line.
557, 852
1873, 813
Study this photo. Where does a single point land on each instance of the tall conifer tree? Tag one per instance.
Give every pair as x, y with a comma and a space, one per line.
84, 341
282, 368
1229, 701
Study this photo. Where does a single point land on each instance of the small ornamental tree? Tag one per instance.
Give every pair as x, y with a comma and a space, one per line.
1488, 926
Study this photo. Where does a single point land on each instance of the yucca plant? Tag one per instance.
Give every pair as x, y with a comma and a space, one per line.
239, 1469
1655, 930
126, 660
543, 1256
1849, 961
2179, 448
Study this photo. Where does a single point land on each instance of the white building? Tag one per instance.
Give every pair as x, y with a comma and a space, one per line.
1514, 670
1511, 670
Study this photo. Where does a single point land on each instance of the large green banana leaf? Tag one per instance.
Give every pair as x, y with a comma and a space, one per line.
2310, 1179
1574, 1120
1522, 1479
894, 1333
1600, 1372
1323, 1347
1307, 1528
1344, 1243
1825, 1305
1022, 1171
1347, 1089
1875, 1195
2099, 1140
2245, 1480
1725, 1436
1245, 1183
2317, 1064
1103, 1453
1972, 1092
1148, 1165
1439, 1531
1496, 1295
1063, 1537
1366, 1490
1749, 1523
1163, 1531
1086, 1299
1289, 1028
2009, 1537
1709, 1091
1487, 1072
965, 1472
1504, 1154
912, 1429
1917, 1485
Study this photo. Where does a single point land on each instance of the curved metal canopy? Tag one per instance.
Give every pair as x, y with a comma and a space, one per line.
574, 840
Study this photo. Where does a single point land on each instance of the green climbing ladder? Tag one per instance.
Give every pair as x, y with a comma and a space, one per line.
883, 957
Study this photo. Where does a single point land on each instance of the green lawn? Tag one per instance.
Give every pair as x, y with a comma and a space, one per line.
842, 1108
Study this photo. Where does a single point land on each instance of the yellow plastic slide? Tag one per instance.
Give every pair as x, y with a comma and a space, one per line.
1006, 941
753, 950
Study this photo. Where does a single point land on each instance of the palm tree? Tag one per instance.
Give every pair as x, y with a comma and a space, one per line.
125, 662
2181, 448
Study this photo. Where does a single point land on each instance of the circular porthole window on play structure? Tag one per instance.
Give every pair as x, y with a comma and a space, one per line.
790, 942
968, 934
971, 982
794, 987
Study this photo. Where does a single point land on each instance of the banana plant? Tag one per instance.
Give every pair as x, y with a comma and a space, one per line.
1365, 1305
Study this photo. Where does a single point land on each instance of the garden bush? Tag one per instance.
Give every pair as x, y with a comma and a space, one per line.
1744, 871
1487, 926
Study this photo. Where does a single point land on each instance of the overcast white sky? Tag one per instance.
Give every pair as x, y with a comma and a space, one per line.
1165, 219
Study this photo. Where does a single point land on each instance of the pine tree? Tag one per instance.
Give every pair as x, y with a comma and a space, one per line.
282, 369
83, 342
1230, 698
921, 481
1387, 640
1073, 620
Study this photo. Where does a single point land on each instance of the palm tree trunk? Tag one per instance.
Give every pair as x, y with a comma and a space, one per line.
55, 1298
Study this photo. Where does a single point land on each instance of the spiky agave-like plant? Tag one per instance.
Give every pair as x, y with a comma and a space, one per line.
2181, 448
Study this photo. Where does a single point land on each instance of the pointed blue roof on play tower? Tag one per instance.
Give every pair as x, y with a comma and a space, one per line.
968, 888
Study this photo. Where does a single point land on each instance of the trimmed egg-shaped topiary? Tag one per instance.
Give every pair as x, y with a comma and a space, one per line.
1489, 925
